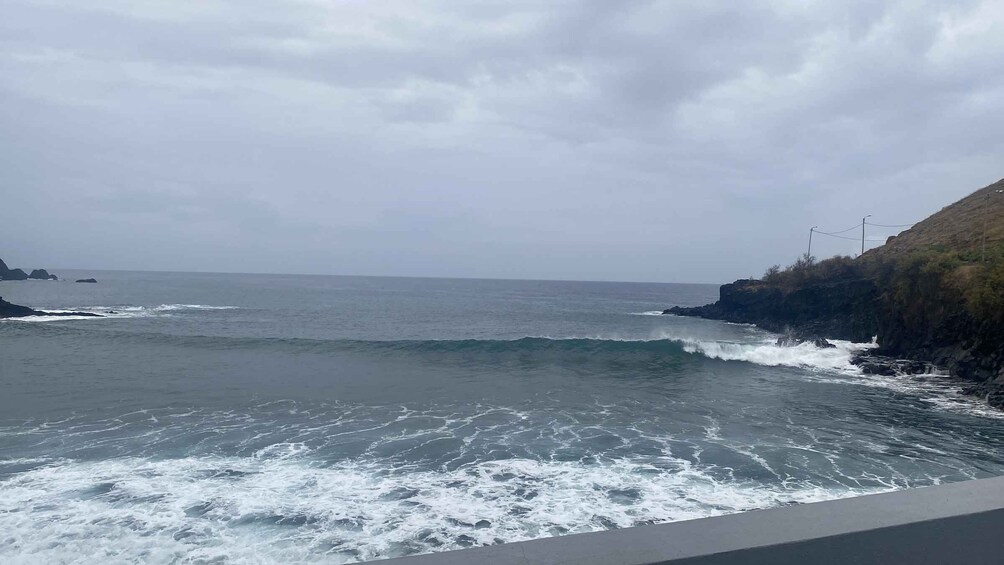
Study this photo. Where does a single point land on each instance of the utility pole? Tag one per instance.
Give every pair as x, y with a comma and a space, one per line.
812, 229
986, 210
863, 233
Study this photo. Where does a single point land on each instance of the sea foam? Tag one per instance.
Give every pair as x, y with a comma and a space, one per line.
281, 507
117, 312
768, 353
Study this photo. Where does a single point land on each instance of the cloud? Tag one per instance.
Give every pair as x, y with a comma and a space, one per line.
682, 141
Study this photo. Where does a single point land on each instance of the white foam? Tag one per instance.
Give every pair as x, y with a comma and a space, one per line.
117, 312
48, 318
768, 353
283, 508
937, 389
171, 307
833, 365
103, 314
648, 313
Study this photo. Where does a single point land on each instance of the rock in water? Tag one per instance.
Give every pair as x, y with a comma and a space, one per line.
15, 275
8, 274
8, 310
872, 364
87, 280
791, 341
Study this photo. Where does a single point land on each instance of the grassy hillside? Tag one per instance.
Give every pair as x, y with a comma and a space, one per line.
929, 274
957, 228
938, 266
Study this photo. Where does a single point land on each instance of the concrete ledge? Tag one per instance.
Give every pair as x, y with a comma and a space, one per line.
947, 524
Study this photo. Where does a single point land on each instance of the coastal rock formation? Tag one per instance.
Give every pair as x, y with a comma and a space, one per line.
8, 274
842, 309
87, 280
933, 295
14, 275
793, 341
871, 364
8, 310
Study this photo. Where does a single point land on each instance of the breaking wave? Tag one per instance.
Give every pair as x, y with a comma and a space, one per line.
806, 355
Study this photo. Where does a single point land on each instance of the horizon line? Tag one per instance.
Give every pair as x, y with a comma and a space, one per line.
430, 277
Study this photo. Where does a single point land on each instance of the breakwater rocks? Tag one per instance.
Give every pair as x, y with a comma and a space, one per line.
8, 310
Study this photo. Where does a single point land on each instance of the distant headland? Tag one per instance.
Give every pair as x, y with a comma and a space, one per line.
8, 274
934, 295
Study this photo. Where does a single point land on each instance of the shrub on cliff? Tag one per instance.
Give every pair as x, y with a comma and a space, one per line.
984, 290
806, 271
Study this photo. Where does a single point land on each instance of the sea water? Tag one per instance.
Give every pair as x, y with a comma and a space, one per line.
268, 419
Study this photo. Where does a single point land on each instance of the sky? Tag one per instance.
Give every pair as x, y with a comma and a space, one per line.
669, 141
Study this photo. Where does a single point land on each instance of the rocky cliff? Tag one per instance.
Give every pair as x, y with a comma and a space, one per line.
843, 309
933, 294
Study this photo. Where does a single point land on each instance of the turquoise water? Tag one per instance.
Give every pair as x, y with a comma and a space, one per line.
255, 418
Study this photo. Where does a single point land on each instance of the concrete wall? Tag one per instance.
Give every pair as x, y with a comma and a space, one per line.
961, 523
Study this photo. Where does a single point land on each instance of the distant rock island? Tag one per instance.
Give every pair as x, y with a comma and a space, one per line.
7, 274
934, 294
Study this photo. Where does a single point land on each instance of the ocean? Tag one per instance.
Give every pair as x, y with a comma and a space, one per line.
232, 418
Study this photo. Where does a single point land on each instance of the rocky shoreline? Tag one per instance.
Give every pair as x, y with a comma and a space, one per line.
855, 310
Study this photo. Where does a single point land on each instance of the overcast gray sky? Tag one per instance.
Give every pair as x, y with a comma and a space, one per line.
658, 141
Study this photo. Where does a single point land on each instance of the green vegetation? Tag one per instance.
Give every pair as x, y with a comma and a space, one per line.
806, 271
925, 287
948, 267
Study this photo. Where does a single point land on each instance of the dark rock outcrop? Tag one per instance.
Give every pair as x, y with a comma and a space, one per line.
842, 309
8, 274
8, 310
15, 275
86, 281
872, 364
793, 341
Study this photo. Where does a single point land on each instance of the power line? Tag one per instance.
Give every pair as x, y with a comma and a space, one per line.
845, 237
888, 226
854, 227
838, 237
